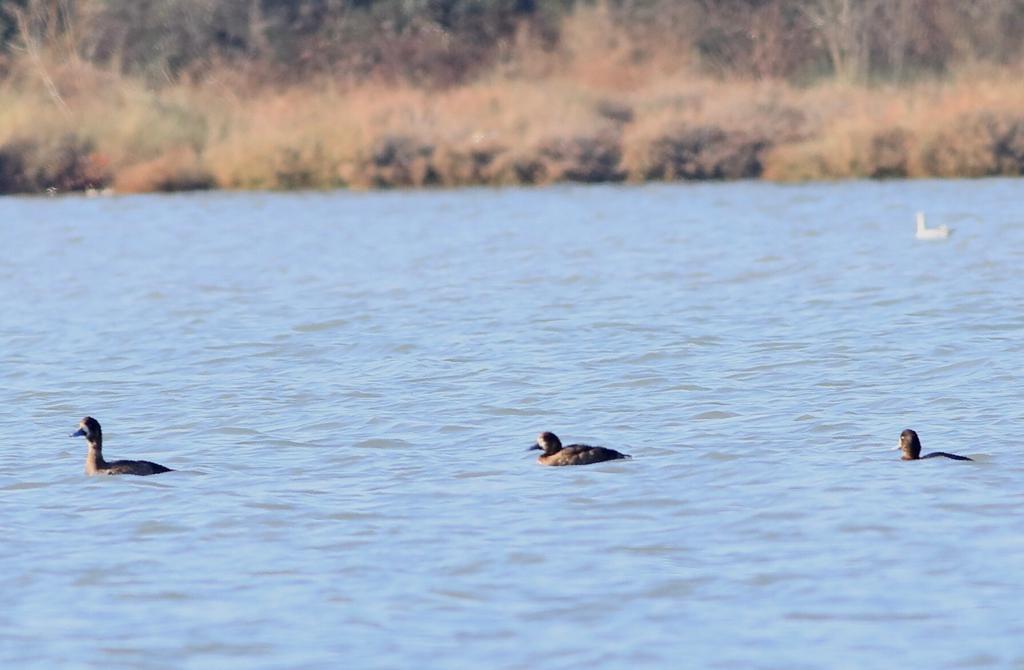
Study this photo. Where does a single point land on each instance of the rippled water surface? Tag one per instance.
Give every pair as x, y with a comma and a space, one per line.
347, 383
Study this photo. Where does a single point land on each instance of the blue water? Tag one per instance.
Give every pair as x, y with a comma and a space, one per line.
346, 384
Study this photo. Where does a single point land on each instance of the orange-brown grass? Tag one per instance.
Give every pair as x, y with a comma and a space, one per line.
581, 119
967, 127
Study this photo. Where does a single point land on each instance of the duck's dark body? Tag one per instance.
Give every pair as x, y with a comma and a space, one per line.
131, 468
910, 445
942, 454
574, 454
94, 463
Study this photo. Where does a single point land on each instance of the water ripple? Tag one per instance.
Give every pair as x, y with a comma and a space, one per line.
348, 405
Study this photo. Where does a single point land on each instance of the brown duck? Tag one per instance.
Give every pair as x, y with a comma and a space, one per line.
574, 454
910, 445
94, 463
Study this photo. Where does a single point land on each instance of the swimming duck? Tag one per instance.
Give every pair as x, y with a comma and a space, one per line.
910, 445
94, 463
926, 233
574, 454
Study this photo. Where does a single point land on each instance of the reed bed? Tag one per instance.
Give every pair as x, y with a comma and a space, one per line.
70, 126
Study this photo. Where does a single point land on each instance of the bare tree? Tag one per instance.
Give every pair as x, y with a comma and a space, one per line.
36, 25
898, 25
844, 29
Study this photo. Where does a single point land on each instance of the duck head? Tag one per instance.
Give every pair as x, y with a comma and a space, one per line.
910, 445
548, 443
89, 428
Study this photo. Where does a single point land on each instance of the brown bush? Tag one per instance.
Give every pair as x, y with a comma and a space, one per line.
889, 154
584, 159
974, 145
397, 161
778, 123
466, 166
950, 154
796, 162
701, 152
66, 163
513, 168
177, 170
1009, 148
292, 170
845, 151
14, 177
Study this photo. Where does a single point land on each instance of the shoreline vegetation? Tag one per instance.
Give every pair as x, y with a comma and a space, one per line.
595, 93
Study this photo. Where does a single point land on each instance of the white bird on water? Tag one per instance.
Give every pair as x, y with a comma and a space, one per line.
926, 233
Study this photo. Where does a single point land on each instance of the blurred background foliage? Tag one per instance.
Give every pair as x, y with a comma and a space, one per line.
447, 42
142, 95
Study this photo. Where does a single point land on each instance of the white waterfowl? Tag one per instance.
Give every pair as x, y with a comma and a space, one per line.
926, 233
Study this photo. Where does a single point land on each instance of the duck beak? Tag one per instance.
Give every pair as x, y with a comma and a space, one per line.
78, 433
534, 446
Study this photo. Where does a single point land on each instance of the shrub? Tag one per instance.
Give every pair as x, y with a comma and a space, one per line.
66, 163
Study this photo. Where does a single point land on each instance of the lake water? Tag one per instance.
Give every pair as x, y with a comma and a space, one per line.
346, 384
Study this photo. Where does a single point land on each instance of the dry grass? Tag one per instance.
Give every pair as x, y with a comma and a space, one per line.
588, 118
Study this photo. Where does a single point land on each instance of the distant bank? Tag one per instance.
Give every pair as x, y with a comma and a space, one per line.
101, 131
